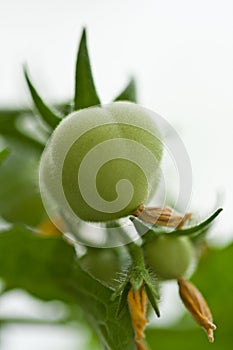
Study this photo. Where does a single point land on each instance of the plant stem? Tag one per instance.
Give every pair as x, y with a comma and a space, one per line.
138, 271
135, 252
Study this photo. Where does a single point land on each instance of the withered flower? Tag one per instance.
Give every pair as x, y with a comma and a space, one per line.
165, 216
197, 306
137, 301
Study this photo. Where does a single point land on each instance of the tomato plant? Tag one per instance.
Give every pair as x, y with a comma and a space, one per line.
121, 145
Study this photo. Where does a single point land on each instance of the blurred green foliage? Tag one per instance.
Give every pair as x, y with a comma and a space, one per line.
47, 268
20, 200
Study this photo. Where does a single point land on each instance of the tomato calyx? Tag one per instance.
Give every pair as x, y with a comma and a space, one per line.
137, 289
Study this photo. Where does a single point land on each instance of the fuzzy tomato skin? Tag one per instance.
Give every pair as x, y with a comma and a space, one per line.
169, 257
107, 159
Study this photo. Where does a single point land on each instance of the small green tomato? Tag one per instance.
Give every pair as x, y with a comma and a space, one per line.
102, 264
169, 257
103, 161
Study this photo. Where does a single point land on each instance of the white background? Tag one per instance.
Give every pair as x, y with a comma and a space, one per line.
181, 53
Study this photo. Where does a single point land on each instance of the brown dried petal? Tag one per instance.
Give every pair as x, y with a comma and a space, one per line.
161, 216
137, 301
197, 306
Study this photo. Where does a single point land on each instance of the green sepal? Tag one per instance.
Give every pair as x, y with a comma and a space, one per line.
197, 230
123, 299
4, 154
49, 116
150, 292
147, 231
129, 93
85, 91
64, 108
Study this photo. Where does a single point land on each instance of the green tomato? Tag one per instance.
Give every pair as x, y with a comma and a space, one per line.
103, 162
102, 264
169, 257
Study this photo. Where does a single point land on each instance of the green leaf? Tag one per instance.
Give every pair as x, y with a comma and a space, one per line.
20, 199
9, 128
148, 231
50, 117
85, 91
3, 154
30, 262
214, 279
129, 93
47, 268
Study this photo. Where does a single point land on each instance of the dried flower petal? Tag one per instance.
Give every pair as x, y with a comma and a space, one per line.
161, 216
197, 306
137, 301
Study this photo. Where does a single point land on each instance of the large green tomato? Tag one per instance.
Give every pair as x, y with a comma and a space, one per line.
169, 257
103, 162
